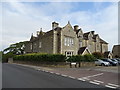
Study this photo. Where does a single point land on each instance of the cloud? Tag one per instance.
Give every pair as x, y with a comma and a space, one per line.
22, 19
103, 21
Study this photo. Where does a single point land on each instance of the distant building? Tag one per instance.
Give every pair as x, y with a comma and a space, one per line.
66, 40
116, 51
108, 54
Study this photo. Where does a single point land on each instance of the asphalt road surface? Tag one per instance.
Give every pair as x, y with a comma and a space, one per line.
15, 76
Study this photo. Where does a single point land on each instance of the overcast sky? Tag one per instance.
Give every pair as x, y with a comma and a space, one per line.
21, 19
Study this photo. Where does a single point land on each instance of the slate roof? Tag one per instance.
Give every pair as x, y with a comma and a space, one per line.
81, 50
106, 53
94, 36
85, 35
116, 45
102, 41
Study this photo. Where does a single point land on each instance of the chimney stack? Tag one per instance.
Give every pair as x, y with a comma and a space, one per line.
76, 27
93, 32
54, 25
38, 33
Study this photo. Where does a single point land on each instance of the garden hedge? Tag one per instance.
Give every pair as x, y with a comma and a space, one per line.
41, 57
82, 58
54, 58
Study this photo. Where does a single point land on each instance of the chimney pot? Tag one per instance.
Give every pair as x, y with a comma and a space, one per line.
38, 33
93, 32
76, 27
54, 25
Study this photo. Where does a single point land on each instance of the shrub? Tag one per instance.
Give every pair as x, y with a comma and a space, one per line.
89, 58
97, 55
80, 58
6, 56
41, 57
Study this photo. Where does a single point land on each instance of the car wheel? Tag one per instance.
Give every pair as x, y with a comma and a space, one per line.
102, 64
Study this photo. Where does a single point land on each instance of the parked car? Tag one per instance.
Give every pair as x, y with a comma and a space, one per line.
110, 61
101, 62
118, 60
114, 60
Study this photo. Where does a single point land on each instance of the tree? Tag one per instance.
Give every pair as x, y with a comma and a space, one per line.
12, 50
97, 55
17, 48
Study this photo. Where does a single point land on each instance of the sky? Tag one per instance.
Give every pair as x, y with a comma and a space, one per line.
20, 19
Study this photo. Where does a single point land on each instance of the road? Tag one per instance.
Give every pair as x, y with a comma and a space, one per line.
16, 76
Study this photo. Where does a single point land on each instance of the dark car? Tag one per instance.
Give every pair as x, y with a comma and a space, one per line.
114, 60
111, 62
118, 60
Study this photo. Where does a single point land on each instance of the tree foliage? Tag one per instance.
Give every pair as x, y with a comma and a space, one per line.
17, 48
81, 58
6, 56
12, 50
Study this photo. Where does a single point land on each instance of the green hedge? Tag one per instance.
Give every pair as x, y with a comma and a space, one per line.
81, 58
41, 57
6, 56
98, 55
54, 58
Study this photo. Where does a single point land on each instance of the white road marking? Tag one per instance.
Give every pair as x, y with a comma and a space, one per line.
71, 77
110, 86
38, 69
113, 84
98, 81
86, 78
64, 75
57, 73
95, 75
46, 71
94, 82
51, 72
81, 79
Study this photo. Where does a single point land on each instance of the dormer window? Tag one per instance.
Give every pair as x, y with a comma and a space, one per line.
81, 36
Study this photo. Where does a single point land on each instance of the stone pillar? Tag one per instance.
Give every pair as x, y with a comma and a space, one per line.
55, 42
61, 42
10, 60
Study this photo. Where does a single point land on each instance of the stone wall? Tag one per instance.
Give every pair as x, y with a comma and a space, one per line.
56, 64
46, 43
69, 32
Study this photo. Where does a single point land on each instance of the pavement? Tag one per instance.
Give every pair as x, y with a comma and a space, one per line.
101, 76
19, 76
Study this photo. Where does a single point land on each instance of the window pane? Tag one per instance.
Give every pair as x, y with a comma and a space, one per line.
68, 42
39, 44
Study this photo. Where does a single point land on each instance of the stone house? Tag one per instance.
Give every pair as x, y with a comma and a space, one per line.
116, 51
108, 54
66, 40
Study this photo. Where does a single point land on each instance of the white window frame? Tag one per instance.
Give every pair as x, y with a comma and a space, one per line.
40, 44
65, 41
80, 43
68, 41
68, 53
72, 41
